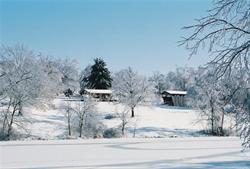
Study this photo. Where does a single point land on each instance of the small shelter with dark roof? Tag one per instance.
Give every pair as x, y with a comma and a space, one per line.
174, 97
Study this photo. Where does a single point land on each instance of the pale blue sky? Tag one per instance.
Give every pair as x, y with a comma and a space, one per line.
142, 34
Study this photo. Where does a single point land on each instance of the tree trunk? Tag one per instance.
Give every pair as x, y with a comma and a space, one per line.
80, 129
80, 126
122, 130
133, 112
222, 119
10, 124
237, 124
20, 109
4, 123
212, 116
69, 126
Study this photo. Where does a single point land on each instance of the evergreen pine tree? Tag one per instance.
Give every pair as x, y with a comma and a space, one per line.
99, 77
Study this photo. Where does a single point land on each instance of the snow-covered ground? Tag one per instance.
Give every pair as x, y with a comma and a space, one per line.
146, 151
150, 121
155, 120
129, 153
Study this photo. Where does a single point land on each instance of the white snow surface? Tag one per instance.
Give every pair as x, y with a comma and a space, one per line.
150, 121
155, 121
176, 92
129, 153
97, 91
143, 152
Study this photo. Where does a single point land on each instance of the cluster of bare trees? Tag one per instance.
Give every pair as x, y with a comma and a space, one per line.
131, 90
28, 79
217, 98
178, 79
225, 33
81, 118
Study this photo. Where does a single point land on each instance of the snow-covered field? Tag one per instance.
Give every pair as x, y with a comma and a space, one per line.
179, 149
156, 120
150, 121
130, 153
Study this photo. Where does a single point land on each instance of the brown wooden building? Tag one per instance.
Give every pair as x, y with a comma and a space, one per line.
174, 97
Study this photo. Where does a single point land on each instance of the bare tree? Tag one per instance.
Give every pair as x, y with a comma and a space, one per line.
131, 89
158, 80
241, 105
225, 31
51, 76
245, 120
85, 112
26, 79
228, 89
206, 98
84, 78
69, 74
69, 113
124, 118
21, 83
180, 79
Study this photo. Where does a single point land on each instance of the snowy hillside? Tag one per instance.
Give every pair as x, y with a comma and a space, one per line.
150, 121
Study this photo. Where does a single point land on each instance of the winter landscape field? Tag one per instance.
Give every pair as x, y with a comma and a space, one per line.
166, 137
125, 84
150, 121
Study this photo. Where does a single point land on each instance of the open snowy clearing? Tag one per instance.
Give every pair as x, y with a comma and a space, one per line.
150, 121
174, 153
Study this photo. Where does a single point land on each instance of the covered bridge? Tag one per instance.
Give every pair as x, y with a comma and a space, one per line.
174, 97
